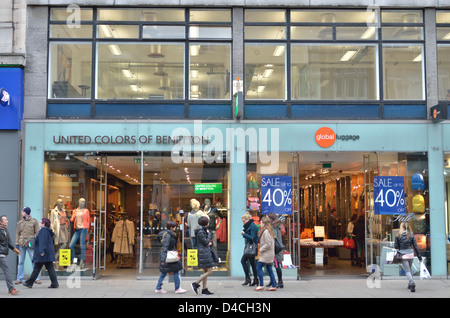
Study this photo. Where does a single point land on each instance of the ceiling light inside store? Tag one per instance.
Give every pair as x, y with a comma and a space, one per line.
156, 51
446, 37
268, 72
115, 50
194, 73
279, 50
134, 87
106, 31
369, 33
261, 88
194, 50
418, 58
127, 73
348, 55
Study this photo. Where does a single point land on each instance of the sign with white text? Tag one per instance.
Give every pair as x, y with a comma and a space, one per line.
389, 194
276, 194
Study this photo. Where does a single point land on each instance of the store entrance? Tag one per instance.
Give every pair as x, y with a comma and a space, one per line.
334, 190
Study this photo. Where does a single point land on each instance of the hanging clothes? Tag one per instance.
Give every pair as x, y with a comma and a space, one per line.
123, 237
221, 230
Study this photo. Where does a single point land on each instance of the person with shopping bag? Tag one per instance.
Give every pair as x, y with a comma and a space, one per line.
406, 244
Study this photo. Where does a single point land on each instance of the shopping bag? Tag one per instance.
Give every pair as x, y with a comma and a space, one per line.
172, 257
424, 273
349, 243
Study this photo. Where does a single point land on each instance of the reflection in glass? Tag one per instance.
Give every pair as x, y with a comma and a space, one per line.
118, 31
67, 14
443, 34
335, 16
209, 32
210, 15
265, 15
356, 33
210, 71
403, 72
163, 31
265, 71
265, 32
401, 16
311, 33
61, 31
140, 71
334, 72
402, 33
443, 55
70, 68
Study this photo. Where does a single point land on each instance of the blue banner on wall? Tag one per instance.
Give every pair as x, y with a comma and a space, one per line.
11, 109
276, 194
389, 195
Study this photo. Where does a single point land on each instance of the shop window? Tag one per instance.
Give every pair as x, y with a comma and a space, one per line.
210, 15
117, 31
70, 69
334, 72
335, 16
140, 70
68, 13
63, 31
265, 15
112, 192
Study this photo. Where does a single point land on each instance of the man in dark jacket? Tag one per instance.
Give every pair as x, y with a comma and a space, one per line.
5, 246
44, 254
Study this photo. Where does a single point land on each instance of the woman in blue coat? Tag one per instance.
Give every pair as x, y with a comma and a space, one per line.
44, 254
250, 235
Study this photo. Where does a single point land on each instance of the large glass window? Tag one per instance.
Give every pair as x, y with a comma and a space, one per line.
265, 71
443, 53
403, 76
334, 72
112, 190
70, 70
140, 70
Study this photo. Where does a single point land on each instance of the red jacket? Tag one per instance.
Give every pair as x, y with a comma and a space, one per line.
86, 218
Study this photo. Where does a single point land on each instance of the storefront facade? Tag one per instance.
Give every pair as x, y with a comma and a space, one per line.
132, 110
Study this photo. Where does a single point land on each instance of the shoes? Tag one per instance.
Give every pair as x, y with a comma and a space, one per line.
160, 291
271, 289
17, 282
53, 286
180, 291
259, 288
247, 281
280, 285
195, 287
27, 285
206, 292
255, 282
13, 292
38, 282
413, 288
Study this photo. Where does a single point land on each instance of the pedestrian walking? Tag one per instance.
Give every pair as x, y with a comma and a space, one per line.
406, 244
359, 234
169, 243
267, 254
27, 229
276, 227
350, 227
250, 235
44, 255
5, 246
205, 257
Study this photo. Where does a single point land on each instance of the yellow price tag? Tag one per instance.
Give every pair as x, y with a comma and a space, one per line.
64, 257
192, 257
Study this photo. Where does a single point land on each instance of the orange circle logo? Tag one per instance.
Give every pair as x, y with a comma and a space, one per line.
434, 113
325, 137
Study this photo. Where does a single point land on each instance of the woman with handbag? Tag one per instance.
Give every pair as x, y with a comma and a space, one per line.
169, 262
267, 254
206, 259
250, 234
406, 244
279, 257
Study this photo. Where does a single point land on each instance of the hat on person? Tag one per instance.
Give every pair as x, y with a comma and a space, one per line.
27, 210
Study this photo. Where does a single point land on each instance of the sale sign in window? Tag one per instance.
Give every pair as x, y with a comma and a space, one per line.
389, 194
276, 194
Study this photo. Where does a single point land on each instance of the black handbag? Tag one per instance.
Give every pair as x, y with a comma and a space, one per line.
251, 249
397, 257
279, 246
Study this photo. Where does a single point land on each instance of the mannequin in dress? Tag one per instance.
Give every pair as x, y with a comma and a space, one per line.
59, 226
81, 221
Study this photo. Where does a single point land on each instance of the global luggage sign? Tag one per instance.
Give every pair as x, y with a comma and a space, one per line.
389, 194
276, 194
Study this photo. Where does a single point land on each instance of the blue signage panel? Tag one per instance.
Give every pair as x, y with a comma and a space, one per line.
389, 195
276, 194
11, 99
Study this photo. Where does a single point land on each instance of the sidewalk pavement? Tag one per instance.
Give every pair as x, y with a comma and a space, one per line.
230, 288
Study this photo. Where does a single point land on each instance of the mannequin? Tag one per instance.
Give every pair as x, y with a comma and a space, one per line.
123, 238
60, 226
211, 213
81, 221
192, 220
